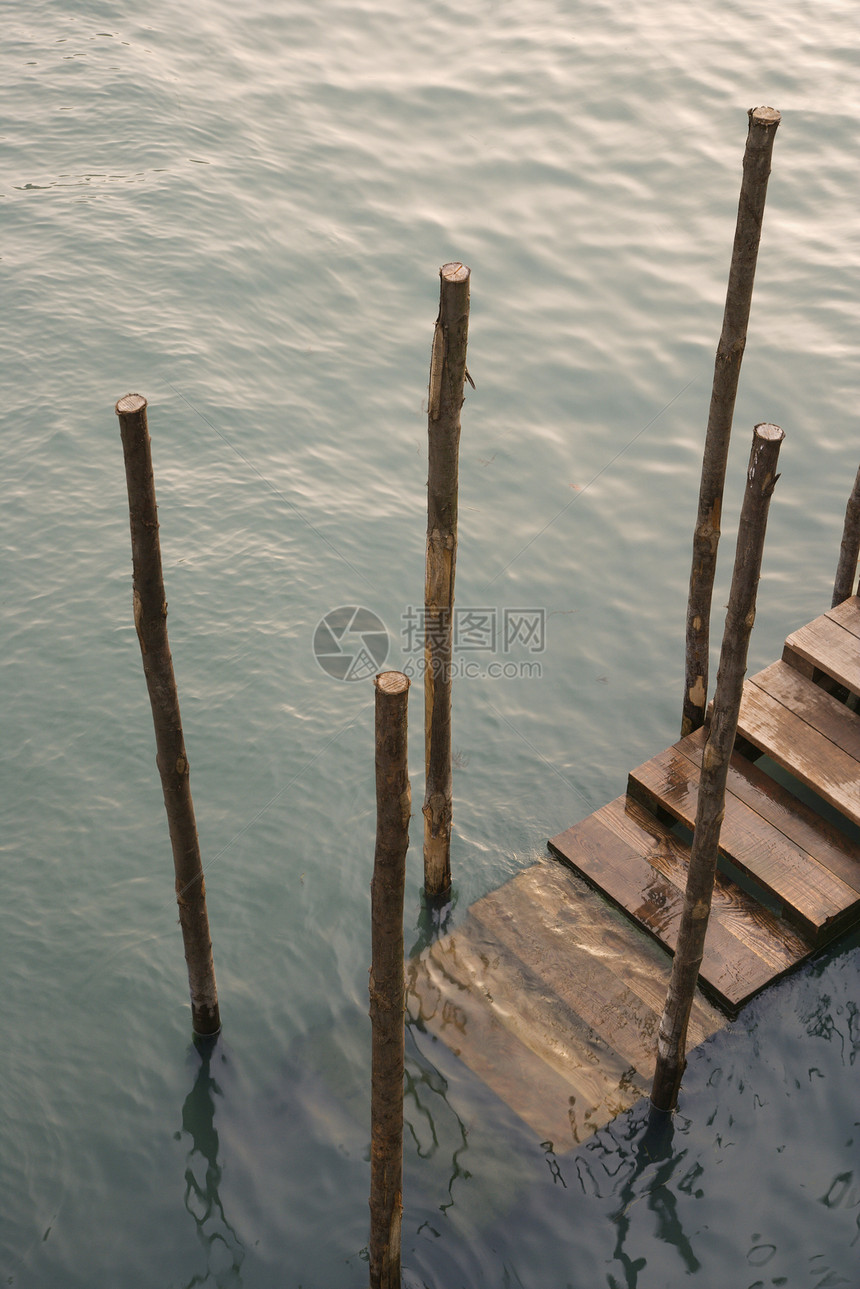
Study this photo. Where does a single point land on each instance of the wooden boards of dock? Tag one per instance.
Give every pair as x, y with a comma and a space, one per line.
552, 993
552, 998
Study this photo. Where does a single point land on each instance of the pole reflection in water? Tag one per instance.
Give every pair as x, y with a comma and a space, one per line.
654, 1152
222, 1249
434, 921
425, 1087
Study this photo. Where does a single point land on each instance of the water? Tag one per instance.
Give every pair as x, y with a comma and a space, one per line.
241, 213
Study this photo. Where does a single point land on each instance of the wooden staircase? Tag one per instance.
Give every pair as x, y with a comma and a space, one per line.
552, 993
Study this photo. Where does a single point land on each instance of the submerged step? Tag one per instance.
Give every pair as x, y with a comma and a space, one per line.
456, 1005
550, 902
553, 999
552, 988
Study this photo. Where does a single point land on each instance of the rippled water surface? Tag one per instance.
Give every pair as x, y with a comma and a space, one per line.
241, 212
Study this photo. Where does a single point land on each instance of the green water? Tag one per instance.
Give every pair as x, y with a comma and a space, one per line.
241, 214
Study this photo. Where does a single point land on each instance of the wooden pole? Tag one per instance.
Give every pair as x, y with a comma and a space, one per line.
672, 1037
849, 552
150, 620
387, 982
763, 123
447, 381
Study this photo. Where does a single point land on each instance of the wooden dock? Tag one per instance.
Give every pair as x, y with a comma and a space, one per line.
551, 990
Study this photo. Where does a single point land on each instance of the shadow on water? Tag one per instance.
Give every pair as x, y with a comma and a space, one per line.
222, 1250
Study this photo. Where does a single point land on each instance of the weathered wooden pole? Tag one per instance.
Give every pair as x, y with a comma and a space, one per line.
849, 551
672, 1037
447, 381
150, 620
763, 123
387, 981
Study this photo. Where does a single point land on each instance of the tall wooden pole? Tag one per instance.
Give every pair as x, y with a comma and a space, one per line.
447, 381
763, 123
672, 1037
150, 620
849, 551
387, 979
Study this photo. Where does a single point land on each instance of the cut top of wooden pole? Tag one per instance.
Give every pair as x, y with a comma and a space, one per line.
763, 122
454, 271
391, 682
393, 791
772, 433
130, 403
448, 360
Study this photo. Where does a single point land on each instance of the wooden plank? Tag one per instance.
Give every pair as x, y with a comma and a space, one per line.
798, 821
768, 935
533, 1011
643, 893
847, 614
813, 704
552, 995
536, 1092
811, 896
601, 1081
509, 992
827, 646
801, 665
572, 912
801, 750
579, 978
731, 971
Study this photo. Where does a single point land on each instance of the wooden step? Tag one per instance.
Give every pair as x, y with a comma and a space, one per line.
799, 822
829, 646
847, 614
641, 866
768, 936
808, 732
553, 999
547, 916
552, 988
804, 864
456, 1001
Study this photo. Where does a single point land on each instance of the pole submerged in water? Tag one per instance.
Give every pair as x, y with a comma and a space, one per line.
672, 1037
447, 383
763, 123
387, 979
150, 620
